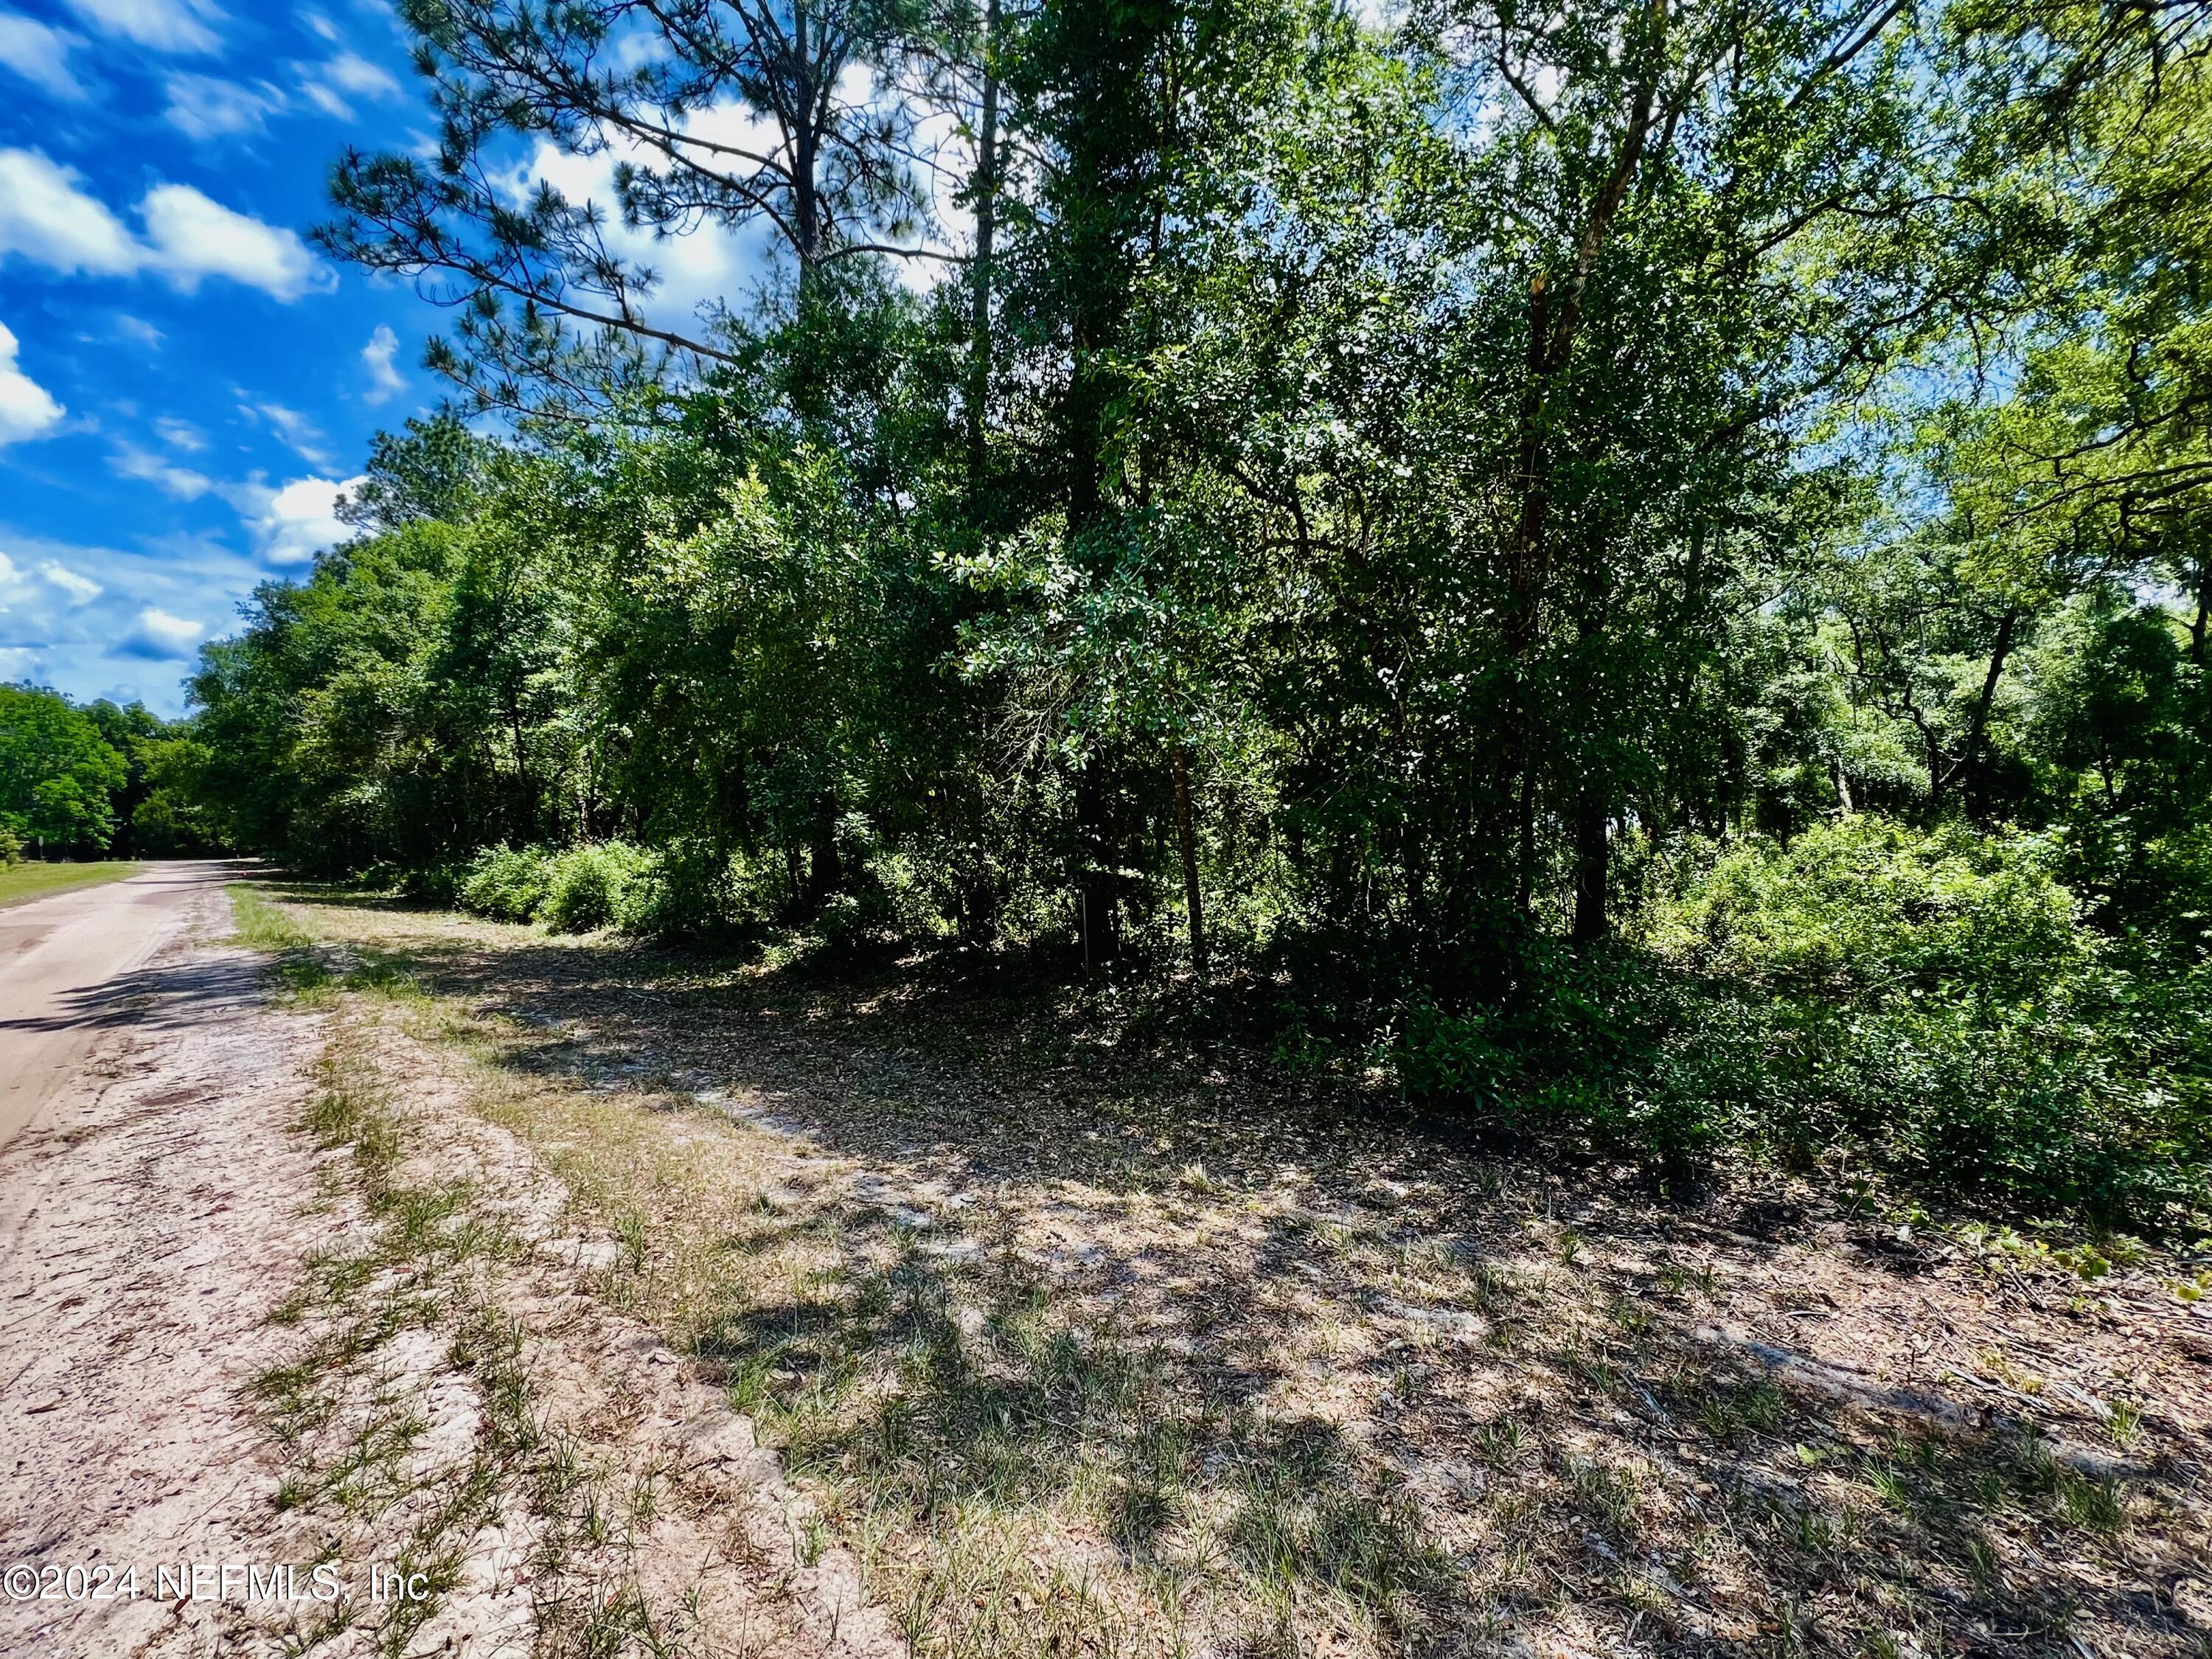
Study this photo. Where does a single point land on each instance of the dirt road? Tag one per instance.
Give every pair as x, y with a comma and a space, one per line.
273, 1305
150, 1216
67, 974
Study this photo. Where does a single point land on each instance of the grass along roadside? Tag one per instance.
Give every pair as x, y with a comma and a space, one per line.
353, 1420
1015, 1477
1328, 1404
272, 929
453, 1407
20, 883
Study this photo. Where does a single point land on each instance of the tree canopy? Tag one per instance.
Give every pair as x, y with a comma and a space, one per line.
1484, 531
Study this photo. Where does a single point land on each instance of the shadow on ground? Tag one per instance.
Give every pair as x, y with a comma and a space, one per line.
1262, 1341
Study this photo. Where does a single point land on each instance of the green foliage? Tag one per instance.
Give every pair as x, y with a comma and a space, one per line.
58, 773
599, 885
1493, 541
687, 890
1928, 1001
575, 889
505, 884
1870, 909
1934, 1000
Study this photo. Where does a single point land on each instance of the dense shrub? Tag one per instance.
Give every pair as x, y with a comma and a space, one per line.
1932, 1001
1868, 906
505, 884
601, 885
690, 888
1615, 1047
574, 890
437, 884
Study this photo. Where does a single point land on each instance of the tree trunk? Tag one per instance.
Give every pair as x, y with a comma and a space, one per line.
825, 868
1097, 890
1970, 761
1524, 572
806, 155
1593, 868
986, 193
521, 815
1551, 331
1186, 834
1524, 888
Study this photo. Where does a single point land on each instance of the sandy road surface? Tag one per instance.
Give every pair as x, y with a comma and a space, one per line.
149, 1218
163, 1201
66, 973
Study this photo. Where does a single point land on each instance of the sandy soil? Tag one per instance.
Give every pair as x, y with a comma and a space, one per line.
583, 1489
148, 1222
226, 1337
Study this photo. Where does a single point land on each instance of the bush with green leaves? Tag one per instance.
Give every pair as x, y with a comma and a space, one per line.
599, 885
1613, 1046
1932, 1001
577, 890
438, 884
1867, 907
507, 883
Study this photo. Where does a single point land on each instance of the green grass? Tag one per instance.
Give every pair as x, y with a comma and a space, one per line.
276, 931
263, 925
22, 883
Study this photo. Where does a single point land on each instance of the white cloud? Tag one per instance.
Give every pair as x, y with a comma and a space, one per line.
328, 85
160, 634
138, 329
93, 644
163, 25
205, 106
315, 22
27, 410
182, 482
293, 524
193, 236
351, 72
208, 107
385, 381
706, 266
299, 434
180, 434
47, 217
39, 54
82, 590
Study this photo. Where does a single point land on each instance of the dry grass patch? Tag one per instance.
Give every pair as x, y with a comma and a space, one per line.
456, 1405
1117, 1354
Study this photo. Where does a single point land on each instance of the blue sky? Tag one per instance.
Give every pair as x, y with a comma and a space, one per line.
185, 385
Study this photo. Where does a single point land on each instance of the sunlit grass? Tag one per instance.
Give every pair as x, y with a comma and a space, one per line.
263, 925
275, 930
1025, 1459
22, 883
